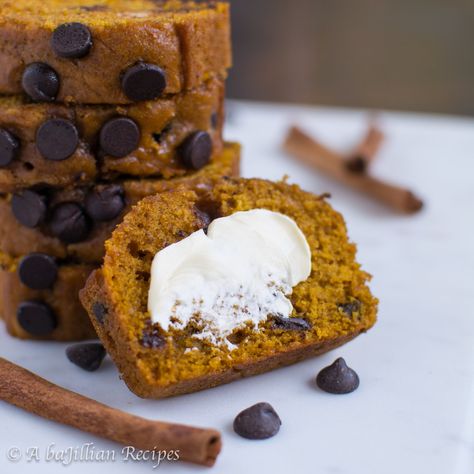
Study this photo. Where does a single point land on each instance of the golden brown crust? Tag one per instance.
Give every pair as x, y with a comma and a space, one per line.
189, 41
73, 323
163, 124
335, 299
17, 240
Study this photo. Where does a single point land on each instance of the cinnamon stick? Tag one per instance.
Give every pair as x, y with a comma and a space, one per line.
36, 395
309, 151
360, 159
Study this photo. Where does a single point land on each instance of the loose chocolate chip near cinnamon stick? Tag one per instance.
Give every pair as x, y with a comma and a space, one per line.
309, 151
360, 158
26, 390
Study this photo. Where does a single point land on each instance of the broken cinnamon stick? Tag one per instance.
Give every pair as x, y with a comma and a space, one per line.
360, 159
36, 395
309, 151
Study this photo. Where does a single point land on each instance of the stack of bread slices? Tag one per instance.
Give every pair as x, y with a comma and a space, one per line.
103, 102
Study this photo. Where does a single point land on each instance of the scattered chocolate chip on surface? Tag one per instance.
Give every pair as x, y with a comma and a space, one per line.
196, 150
36, 318
119, 137
9, 147
143, 81
105, 203
260, 421
87, 356
69, 223
100, 312
338, 378
38, 271
57, 139
29, 208
71, 40
290, 324
41, 82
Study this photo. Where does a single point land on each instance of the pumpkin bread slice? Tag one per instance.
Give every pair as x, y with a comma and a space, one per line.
334, 301
111, 51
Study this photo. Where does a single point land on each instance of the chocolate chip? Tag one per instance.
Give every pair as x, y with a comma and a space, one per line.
290, 324
9, 147
69, 222
203, 217
41, 82
119, 137
87, 356
38, 271
195, 152
349, 308
57, 139
143, 81
71, 40
105, 203
259, 421
152, 338
36, 318
29, 208
338, 378
100, 311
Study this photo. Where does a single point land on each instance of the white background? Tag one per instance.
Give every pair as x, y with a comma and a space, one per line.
414, 410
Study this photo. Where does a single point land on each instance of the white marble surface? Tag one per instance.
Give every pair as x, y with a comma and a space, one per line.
414, 410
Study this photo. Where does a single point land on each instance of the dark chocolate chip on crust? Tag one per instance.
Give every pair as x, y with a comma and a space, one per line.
143, 81
196, 150
100, 312
9, 147
38, 271
71, 40
119, 137
105, 203
290, 324
57, 139
41, 82
338, 378
87, 356
36, 318
259, 421
69, 222
29, 208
